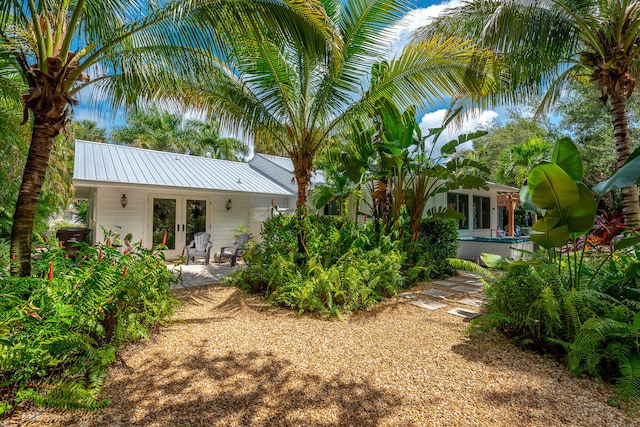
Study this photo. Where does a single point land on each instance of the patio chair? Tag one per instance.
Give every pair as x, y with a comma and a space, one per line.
199, 246
234, 251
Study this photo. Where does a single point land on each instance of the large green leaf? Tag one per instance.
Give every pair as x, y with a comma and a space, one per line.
580, 218
548, 234
526, 202
626, 176
552, 188
566, 155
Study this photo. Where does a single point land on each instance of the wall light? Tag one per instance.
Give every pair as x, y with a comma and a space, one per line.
124, 200
228, 205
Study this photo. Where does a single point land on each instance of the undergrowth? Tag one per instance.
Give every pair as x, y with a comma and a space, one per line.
60, 328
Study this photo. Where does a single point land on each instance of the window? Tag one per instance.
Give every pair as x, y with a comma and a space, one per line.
481, 212
332, 208
459, 202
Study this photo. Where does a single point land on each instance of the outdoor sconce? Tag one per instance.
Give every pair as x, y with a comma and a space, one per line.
228, 205
124, 201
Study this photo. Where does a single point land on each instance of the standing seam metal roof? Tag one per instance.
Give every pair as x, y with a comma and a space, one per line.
109, 163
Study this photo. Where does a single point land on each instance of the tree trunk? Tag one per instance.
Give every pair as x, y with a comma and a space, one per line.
630, 203
42, 141
302, 167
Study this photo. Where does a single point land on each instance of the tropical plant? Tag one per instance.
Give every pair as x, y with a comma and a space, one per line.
400, 168
349, 268
156, 129
517, 160
139, 50
302, 99
87, 130
59, 331
544, 45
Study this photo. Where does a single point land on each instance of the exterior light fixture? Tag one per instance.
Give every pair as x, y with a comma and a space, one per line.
124, 200
228, 205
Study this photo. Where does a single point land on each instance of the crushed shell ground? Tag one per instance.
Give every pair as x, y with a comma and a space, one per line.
229, 360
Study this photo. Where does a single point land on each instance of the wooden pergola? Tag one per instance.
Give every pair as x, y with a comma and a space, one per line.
510, 201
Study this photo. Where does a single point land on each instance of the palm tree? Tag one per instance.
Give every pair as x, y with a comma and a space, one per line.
303, 99
545, 44
517, 161
139, 51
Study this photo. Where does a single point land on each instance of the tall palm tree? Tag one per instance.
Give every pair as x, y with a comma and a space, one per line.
545, 44
302, 99
138, 50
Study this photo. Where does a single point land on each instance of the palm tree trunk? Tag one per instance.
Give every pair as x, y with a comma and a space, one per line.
630, 203
42, 141
302, 167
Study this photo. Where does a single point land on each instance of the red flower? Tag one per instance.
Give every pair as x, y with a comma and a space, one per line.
100, 255
50, 275
124, 271
164, 238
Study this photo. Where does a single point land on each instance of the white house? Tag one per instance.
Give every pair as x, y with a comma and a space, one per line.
147, 193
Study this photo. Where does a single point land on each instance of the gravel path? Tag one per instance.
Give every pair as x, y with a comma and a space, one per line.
228, 360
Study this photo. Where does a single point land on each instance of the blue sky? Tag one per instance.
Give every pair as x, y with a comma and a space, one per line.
98, 111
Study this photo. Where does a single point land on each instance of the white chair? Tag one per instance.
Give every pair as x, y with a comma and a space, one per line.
199, 246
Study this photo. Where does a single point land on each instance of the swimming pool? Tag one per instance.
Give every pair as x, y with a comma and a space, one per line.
507, 247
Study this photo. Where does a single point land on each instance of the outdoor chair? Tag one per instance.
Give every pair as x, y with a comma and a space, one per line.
199, 246
234, 251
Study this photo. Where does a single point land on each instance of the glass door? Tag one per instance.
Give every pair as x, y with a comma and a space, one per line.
175, 220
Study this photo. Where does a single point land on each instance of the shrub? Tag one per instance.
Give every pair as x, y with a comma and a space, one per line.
346, 268
59, 330
437, 243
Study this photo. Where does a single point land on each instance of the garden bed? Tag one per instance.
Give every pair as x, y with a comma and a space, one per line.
229, 360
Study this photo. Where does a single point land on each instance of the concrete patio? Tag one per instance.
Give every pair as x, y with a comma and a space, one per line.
199, 274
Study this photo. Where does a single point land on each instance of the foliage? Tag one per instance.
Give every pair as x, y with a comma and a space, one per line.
516, 161
59, 330
155, 129
87, 130
589, 122
437, 243
302, 100
581, 304
545, 46
348, 268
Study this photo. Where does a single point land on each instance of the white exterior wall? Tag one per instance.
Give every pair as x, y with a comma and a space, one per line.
136, 217
110, 214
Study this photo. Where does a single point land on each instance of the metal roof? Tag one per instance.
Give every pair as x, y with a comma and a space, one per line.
317, 177
109, 163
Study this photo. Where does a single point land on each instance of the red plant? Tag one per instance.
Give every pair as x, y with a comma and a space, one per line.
50, 275
607, 226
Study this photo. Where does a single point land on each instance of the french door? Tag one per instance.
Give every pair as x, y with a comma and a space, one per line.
176, 219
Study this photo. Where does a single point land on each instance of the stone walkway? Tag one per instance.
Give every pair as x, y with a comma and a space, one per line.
463, 295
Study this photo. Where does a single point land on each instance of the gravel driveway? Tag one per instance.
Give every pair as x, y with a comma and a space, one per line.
228, 360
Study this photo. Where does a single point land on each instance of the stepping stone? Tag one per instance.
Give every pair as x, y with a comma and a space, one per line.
407, 295
459, 278
472, 302
428, 304
472, 275
436, 293
475, 283
464, 313
466, 289
444, 283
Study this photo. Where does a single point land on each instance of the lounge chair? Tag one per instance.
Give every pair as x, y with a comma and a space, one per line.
199, 246
234, 251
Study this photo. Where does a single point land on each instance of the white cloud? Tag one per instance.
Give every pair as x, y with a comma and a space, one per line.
401, 33
476, 121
